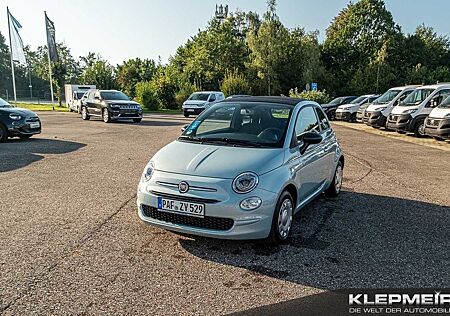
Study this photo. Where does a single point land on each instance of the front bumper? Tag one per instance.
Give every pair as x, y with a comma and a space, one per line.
124, 114
377, 119
359, 116
223, 216
343, 116
366, 117
193, 111
399, 122
437, 128
24, 127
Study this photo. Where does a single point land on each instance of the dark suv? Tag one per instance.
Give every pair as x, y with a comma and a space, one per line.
17, 122
330, 108
111, 105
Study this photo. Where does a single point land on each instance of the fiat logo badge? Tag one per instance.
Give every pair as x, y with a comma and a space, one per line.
183, 187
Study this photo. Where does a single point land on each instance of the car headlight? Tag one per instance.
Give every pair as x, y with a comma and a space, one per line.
15, 117
380, 109
410, 111
245, 182
251, 203
148, 172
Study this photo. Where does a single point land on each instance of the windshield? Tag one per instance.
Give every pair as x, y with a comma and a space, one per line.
445, 103
416, 97
241, 124
114, 95
80, 95
199, 97
387, 97
358, 100
4, 104
336, 101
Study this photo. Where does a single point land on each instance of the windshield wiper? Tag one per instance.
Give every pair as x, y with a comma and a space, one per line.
231, 141
190, 138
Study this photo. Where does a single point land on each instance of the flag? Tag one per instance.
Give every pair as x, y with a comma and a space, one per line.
16, 41
51, 42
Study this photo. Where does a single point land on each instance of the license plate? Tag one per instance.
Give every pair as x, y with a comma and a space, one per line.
181, 207
190, 110
35, 125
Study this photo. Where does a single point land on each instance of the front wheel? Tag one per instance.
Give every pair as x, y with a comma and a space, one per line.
419, 130
336, 184
106, 116
438, 139
137, 120
282, 219
25, 136
186, 115
84, 114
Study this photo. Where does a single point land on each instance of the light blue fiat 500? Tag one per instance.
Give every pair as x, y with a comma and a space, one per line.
242, 169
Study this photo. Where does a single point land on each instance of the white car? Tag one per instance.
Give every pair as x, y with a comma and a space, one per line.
376, 114
409, 116
437, 124
347, 112
199, 101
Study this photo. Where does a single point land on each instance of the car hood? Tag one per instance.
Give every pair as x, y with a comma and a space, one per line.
347, 107
224, 162
373, 107
401, 109
121, 102
193, 102
328, 105
440, 112
20, 111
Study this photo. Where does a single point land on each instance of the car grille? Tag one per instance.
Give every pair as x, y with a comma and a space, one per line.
208, 222
32, 119
367, 114
393, 118
185, 198
433, 122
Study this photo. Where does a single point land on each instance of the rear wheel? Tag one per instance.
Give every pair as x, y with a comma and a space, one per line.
106, 116
419, 129
3, 134
336, 184
137, 120
438, 139
84, 114
282, 219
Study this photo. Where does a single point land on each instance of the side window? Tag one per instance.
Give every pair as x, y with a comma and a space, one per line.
323, 121
212, 98
438, 98
306, 121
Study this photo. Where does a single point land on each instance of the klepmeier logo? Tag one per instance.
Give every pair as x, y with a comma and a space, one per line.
399, 303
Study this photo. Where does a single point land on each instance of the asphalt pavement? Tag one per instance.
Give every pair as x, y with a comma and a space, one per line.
71, 241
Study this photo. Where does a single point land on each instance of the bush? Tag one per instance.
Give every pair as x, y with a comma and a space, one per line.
145, 95
156, 94
317, 96
235, 83
184, 93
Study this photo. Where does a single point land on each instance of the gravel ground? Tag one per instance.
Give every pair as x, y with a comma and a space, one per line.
71, 241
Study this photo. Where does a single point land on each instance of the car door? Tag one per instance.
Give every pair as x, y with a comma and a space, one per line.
308, 167
329, 144
97, 103
90, 102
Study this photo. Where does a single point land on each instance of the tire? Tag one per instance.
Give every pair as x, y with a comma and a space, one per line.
282, 220
70, 109
3, 134
332, 116
138, 120
376, 127
352, 118
438, 139
401, 132
186, 115
419, 129
25, 136
336, 185
106, 117
84, 114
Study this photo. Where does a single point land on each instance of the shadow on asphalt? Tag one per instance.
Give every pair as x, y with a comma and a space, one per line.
354, 241
16, 153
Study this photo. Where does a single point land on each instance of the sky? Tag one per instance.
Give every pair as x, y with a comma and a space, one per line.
119, 30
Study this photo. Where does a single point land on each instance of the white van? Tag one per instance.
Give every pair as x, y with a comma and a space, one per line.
409, 116
199, 101
74, 93
437, 124
347, 112
377, 113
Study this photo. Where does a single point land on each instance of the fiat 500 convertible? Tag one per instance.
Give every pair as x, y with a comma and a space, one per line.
242, 169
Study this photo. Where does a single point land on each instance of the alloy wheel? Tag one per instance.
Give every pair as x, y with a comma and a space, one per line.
285, 218
338, 179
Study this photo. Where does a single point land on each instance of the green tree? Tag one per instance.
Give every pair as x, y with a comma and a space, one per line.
99, 73
235, 83
133, 71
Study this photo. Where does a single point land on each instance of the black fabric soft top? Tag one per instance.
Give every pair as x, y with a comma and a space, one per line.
281, 100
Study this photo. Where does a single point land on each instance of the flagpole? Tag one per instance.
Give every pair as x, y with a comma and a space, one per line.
12, 61
49, 63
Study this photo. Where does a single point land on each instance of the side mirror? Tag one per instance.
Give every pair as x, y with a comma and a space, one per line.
184, 128
97, 98
307, 139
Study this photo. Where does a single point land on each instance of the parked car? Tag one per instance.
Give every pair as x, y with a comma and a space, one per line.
74, 94
409, 116
199, 101
437, 124
361, 111
330, 108
347, 112
111, 105
376, 114
17, 122
242, 169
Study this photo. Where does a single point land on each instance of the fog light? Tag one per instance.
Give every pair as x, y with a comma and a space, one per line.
251, 203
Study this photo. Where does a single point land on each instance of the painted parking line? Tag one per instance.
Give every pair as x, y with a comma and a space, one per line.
429, 142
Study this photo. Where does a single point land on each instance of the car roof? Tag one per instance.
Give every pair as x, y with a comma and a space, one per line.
436, 86
266, 99
207, 92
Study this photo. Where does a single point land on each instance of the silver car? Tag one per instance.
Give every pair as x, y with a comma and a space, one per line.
242, 169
